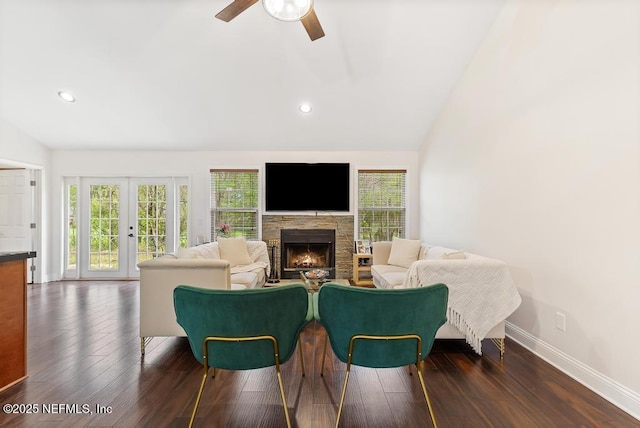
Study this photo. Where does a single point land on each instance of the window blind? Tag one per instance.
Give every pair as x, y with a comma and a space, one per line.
234, 202
381, 204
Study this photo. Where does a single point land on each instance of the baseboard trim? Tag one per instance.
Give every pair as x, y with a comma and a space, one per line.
619, 395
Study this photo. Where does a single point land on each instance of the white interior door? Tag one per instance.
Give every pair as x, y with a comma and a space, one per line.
124, 221
16, 211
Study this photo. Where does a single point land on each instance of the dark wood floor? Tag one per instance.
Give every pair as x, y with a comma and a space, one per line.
84, 350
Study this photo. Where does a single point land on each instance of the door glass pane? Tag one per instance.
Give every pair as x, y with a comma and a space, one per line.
183, 207
152, 228
72, 222
104, 221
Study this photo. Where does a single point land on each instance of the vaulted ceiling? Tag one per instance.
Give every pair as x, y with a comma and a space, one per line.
165, 74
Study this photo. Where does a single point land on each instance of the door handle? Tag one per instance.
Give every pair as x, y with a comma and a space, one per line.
131, 235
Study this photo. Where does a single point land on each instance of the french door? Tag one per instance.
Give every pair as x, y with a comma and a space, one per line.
123, 221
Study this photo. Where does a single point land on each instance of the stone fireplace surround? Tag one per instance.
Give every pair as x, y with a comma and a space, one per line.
342, 224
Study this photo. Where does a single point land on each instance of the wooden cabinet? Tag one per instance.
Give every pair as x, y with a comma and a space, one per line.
13, 312
362, 270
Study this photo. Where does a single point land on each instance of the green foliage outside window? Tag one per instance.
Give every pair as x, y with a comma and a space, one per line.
234, 201
152, 225
103, 222
381, 205
72, 249
183, 207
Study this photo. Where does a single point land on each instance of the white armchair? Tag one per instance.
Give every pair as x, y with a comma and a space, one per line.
199, 266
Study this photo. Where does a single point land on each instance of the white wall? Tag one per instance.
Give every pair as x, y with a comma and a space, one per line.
196, 166
536, 160
18, 150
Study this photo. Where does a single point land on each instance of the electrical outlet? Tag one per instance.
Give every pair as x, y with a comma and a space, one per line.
561, 321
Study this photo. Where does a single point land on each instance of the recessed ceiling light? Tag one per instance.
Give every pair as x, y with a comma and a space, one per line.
66, 96
305, 108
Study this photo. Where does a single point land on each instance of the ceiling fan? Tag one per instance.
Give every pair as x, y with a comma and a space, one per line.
284, 10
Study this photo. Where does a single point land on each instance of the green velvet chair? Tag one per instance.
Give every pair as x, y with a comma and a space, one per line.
381, 328
243, 329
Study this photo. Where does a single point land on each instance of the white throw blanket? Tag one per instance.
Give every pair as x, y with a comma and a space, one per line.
481, 292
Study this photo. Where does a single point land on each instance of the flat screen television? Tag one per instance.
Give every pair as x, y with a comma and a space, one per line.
307, 186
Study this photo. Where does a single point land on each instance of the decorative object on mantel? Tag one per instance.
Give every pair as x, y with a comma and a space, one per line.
273, 275
224, 229
282, 10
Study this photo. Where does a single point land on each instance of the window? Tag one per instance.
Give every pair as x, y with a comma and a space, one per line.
183, 217
152, 221
72, 226
381, 204
234, 202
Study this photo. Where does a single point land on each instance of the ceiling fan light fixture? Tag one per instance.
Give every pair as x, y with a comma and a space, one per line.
305, 108
287, 10
66, 96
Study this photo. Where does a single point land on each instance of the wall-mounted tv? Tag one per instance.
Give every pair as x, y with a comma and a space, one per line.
307, 187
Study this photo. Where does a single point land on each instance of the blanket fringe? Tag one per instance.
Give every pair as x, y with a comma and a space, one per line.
470, 335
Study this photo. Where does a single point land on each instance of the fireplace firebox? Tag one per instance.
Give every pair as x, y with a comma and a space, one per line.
306, 249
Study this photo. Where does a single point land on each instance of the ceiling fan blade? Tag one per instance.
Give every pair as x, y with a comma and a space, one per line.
312, 25
234, 9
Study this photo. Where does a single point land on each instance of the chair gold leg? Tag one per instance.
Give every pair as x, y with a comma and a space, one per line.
276, 359
301, 355
344, 393
426, 396
284, 400
324, 354
195, 408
